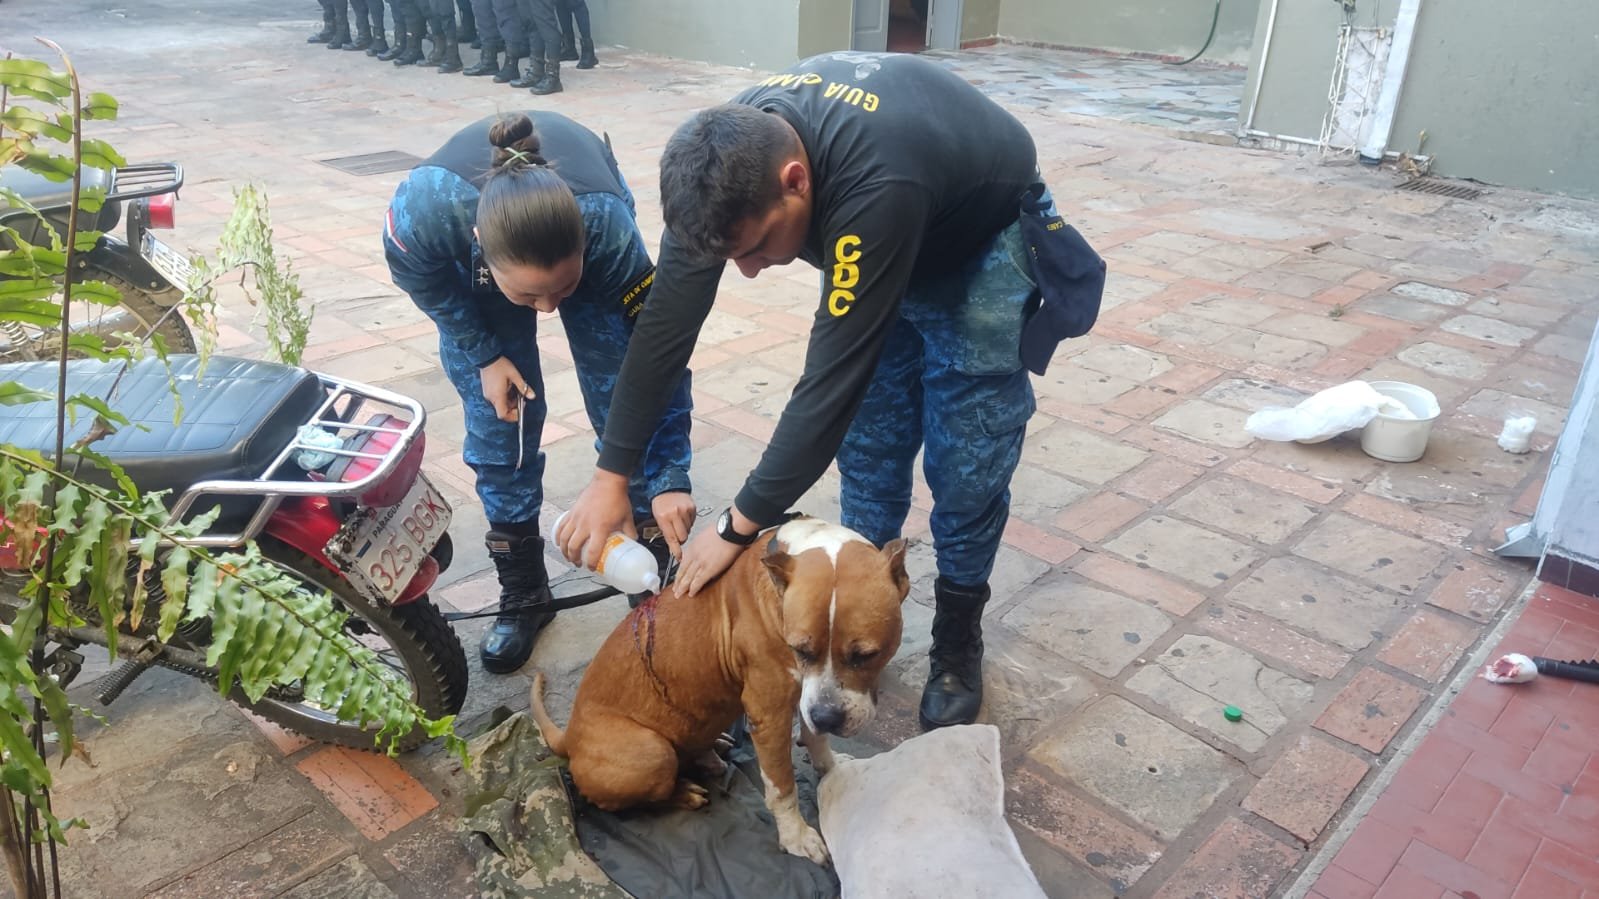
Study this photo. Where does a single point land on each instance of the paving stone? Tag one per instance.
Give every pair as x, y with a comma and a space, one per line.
1198, 676
1039, 495
1317, 328
264, 867
1339, 461
1326, 606
1207, 423
1188, 330
1429, 644
1139, 580
1445, 389
1451, 362
1536, 382
1496, 406
1441, 296
1402, 308
1306, 787
1270, 639
1139, 765
349, 879
1532, 316
1237, 860
1491, 330
1124, 361
1370, 710
1026, 688
1394, 561
1231, 310
1081, 829
1463, 477
1059, 875
1100, 630
378, 365
1271, 349
1158, 478
1563, 346
373, 791
1098, 516
1252, 396
1080, 453
433, 860
1200, 556
1083, 386
1243, 508
1476, 589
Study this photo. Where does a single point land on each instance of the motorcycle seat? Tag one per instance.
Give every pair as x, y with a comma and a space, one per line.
235, 419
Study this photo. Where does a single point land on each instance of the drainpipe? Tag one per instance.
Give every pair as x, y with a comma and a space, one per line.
1260, 77
1393, 81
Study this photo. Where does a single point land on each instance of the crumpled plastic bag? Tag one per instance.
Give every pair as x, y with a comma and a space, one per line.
1326, 414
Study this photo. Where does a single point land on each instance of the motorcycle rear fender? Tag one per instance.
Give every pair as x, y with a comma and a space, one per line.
308, 523
112, 255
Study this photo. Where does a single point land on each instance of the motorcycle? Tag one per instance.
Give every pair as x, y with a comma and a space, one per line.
323, 473
150, 274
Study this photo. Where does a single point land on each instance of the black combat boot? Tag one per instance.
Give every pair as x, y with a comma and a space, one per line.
488, 61
451, 63
326, 34
341, 25
954, 691
519, 561
588, 60
568, 48
412, 54
398, 48
436, 42
551, 82
511, 69
380, 41
363, 33
534, 74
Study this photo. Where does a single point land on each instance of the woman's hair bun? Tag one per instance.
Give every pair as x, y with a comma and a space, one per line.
516, 143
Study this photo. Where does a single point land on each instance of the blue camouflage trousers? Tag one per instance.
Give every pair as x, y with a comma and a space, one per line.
951, 384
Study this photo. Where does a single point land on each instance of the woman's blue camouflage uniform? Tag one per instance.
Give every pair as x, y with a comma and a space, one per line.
434, 257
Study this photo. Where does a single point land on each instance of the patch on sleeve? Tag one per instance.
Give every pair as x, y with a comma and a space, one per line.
388, 229
633, 297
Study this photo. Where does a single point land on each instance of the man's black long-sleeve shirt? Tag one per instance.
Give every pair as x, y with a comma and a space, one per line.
913, 171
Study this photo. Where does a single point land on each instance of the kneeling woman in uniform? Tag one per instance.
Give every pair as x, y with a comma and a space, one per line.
514, 216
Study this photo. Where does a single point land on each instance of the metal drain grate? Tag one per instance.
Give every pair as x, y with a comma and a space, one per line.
373, 163
1439, 188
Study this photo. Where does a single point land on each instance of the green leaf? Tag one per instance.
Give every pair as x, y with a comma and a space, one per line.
55, 702
14, 394
175, 584
98, 407
31, 121
16, 294
129, 489
97, 154
98, 292
32, 78
86, 240
91, 199
30, 261
100, 106
79, 542
48, 165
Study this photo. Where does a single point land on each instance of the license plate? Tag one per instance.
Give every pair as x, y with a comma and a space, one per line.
381, 550
172, 265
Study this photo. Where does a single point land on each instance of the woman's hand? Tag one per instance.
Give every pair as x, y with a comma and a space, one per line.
502, 386
674, 513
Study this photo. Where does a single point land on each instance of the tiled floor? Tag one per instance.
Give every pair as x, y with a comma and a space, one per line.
1199, 97
1501, 798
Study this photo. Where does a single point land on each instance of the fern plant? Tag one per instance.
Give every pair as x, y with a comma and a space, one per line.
246, 246
88, 554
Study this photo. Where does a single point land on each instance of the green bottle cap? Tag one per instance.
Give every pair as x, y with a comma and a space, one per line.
1233, 713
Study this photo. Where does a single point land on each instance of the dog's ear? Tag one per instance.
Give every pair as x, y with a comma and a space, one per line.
894, 554
780, 565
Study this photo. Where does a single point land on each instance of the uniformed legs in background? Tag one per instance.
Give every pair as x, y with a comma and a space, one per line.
513, 33
544, 45
341, 25
578, 29
397, 13
362, 21
326, 34
380, 40
446, 54
488, 61
415, 27
466, 24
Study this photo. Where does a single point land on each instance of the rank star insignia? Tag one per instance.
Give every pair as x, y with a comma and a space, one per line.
483, 274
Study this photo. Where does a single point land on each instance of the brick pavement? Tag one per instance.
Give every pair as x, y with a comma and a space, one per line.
1159, 565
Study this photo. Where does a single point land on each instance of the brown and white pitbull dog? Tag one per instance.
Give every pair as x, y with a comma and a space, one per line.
805, 621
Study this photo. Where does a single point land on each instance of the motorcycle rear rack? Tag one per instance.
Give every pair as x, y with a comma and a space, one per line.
145, 179
273, 491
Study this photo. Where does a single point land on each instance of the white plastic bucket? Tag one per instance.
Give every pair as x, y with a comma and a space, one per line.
1395, 439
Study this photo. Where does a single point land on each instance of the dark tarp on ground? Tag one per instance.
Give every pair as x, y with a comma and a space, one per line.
519, 828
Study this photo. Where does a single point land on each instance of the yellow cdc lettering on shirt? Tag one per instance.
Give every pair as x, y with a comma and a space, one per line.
846, 274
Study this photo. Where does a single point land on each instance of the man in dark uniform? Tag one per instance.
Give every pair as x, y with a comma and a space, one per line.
903, 184
544, 47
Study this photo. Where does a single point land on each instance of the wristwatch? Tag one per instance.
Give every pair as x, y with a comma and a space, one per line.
725, 530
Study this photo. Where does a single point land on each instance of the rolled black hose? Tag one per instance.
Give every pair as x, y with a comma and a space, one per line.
1214, 18
1587, 671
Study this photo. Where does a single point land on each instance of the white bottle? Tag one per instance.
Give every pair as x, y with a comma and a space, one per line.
624, 563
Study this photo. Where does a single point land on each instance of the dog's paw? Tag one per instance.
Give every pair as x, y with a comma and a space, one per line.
690, 795
806, 843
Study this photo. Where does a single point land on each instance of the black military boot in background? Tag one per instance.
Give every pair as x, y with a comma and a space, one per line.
488, 61
414, 29
588, 60
326, 34
551, 82
954, 691
435, 41
363, 30
533, 75
341, 25
450, 62
395, 50
568, 48
512, 68
519, 562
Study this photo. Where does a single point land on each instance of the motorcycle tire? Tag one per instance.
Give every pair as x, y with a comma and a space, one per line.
146, 308
420, 638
